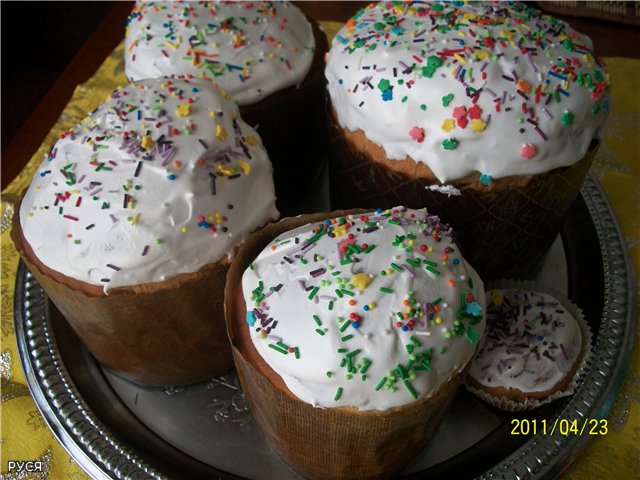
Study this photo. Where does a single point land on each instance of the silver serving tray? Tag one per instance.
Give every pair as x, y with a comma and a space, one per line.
116, 429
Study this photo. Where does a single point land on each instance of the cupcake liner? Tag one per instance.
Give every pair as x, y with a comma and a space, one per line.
164, 333
508, 405
504, 229
326, 443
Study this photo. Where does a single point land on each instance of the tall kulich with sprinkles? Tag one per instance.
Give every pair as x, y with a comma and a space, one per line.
267, 56
131, 221
352, 332
489, 114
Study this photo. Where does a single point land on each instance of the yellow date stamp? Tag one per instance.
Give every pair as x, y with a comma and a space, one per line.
562, 426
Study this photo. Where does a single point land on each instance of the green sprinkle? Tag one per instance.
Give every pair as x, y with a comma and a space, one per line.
415, 341
316, 318
386, 290
443, 350
423, 107
415, 262
338, 293
396, 267
296, 352
346, 261
329, 374
370, 248
381, 383
345, 325
331, 305
436, 301
282, 345
347, 292
346, 337
320, 332
450, 144
366, 363
338, 394
313, 293
278, 349
353, 353
343, 350
472, 335
432, 270
410, 388
567, 118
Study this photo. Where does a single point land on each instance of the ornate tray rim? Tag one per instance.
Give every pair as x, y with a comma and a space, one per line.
101, 454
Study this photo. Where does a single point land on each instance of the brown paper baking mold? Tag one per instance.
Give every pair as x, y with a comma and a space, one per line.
504, 230
324, 443
165, 333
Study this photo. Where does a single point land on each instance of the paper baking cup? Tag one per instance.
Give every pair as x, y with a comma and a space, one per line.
508, 405
325, 443
504, 230
161, 333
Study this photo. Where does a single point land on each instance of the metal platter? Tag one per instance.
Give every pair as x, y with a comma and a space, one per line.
117, 429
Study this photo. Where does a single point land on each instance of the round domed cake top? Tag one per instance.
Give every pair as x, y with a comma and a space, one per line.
162, 179
532, 343
249, 49
488, 88
371, 311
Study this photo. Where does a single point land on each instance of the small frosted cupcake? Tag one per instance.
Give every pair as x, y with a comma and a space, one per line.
131, 220
351, 334
531, 352
267, 56
488, 114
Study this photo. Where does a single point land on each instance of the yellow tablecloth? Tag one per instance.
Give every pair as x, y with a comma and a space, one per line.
25, 436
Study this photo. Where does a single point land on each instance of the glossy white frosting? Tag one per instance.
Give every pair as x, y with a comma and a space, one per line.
312, 290
126, 197
249, 49
531, 342
467, 88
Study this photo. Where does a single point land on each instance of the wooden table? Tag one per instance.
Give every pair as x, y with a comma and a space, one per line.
611, 39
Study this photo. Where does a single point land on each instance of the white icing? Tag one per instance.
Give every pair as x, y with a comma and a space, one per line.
448, 190
410, 123
249, 49
380, 339
531, 343
74, 215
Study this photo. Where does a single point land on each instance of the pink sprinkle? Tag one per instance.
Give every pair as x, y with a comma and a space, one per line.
459, 112
417, 134
528, 151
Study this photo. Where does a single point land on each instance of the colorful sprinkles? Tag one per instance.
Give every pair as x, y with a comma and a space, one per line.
369, 304
233, 45
474, 62
122, 163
